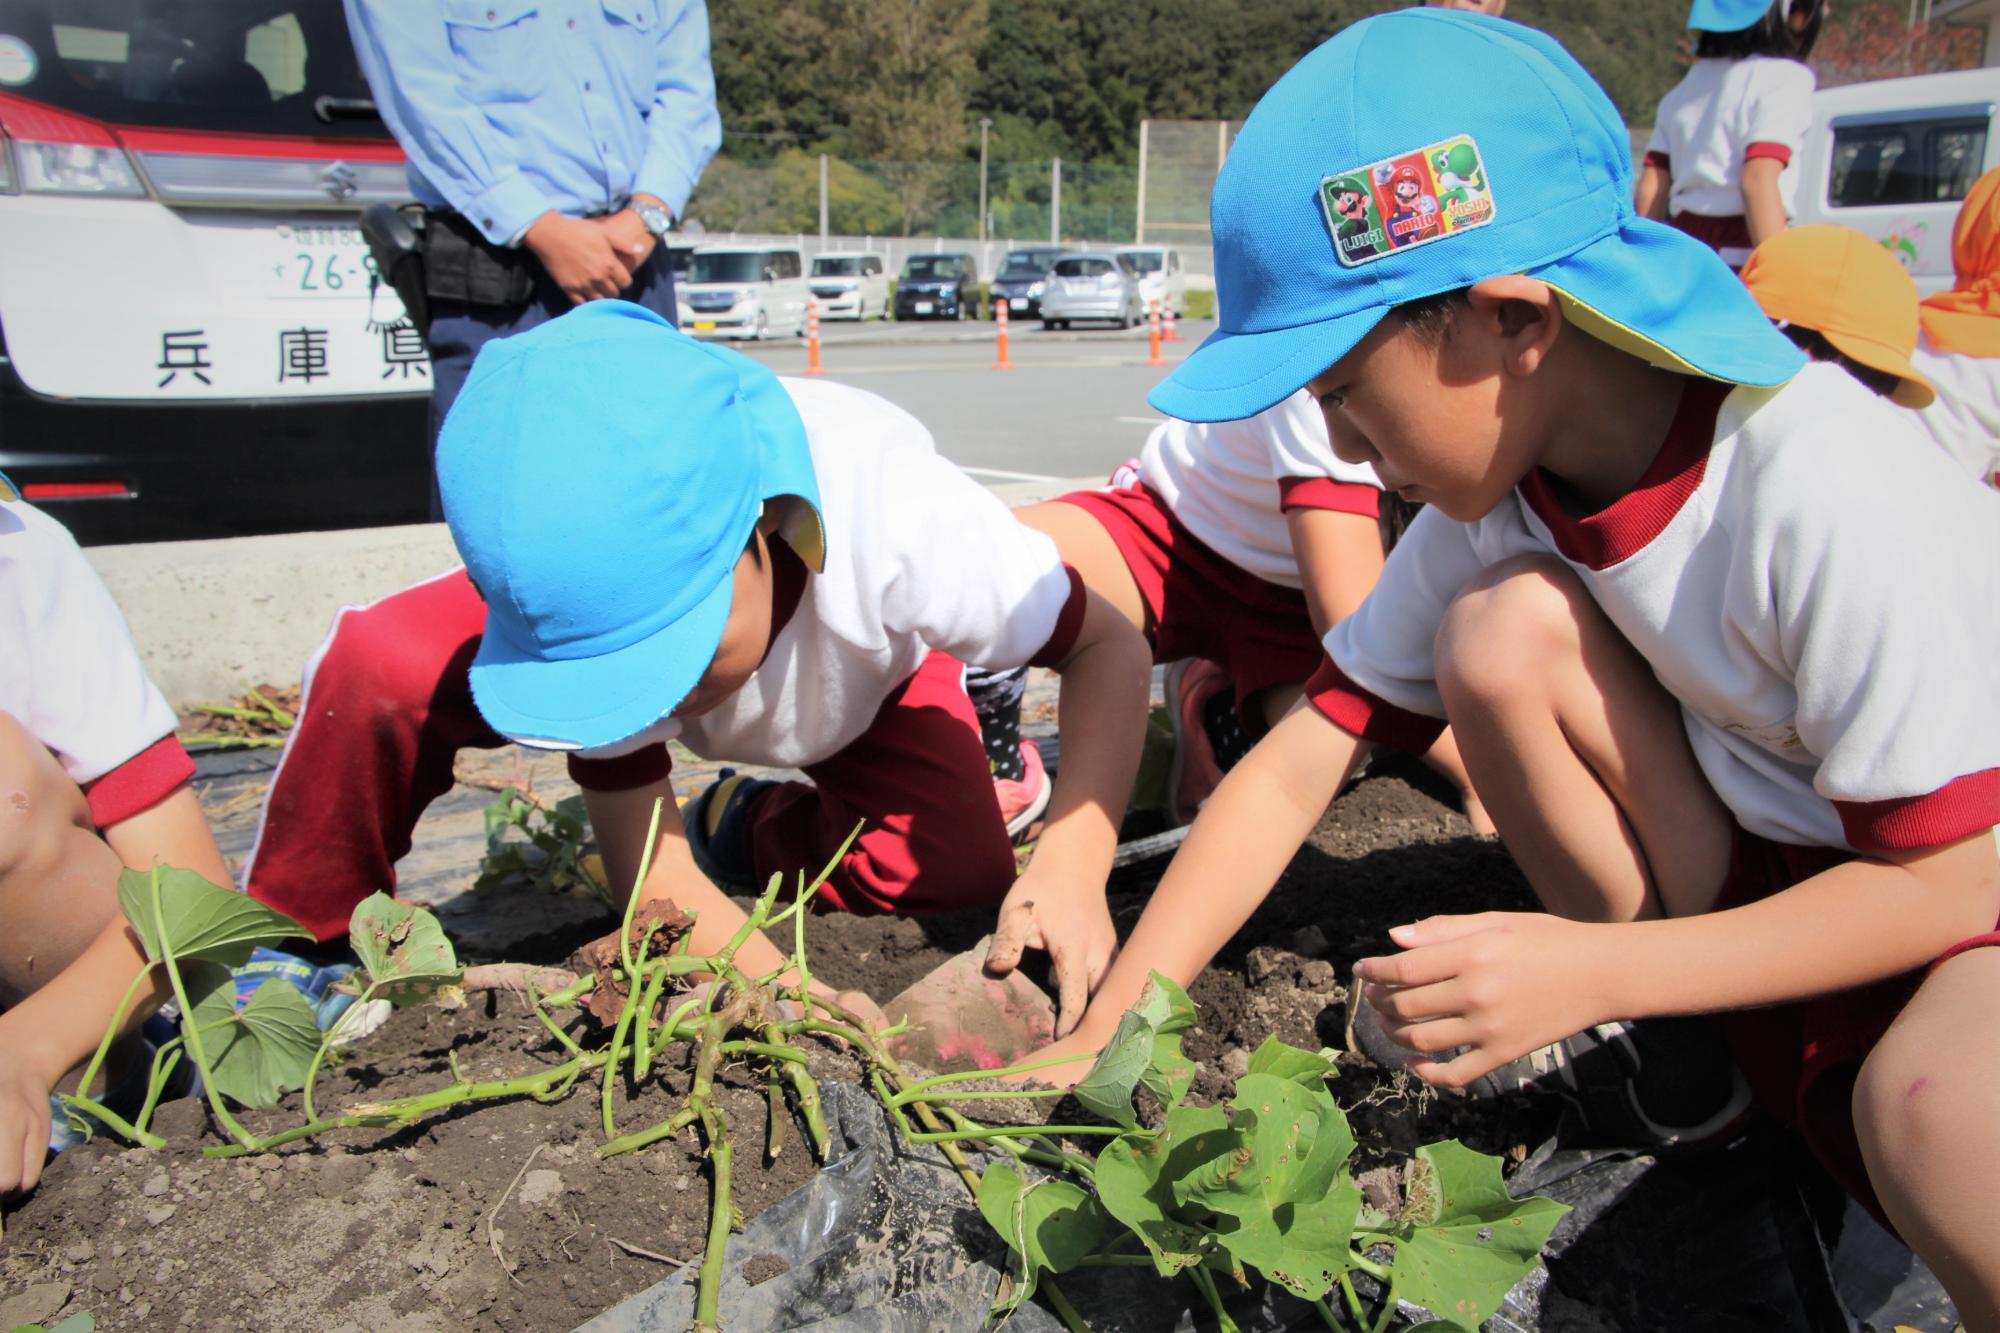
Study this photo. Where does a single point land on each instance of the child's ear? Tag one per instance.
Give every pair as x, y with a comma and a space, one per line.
1523, 313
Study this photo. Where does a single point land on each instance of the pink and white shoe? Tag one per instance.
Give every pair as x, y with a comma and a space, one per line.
1195, 774
1025, 799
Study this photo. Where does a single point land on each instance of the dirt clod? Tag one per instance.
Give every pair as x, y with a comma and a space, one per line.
763, 1268
39, 1302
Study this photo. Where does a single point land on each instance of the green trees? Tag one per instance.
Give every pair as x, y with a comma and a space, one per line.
896, 88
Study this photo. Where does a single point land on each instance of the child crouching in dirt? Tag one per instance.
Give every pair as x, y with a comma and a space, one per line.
664, 542
92, 781
1712, 630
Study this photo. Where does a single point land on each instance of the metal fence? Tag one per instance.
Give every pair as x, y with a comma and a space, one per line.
1178, 162
1024, 201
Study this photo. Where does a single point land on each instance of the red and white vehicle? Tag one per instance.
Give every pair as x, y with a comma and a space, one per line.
192, 339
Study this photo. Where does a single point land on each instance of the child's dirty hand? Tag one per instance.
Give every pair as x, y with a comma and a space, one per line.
1074, 927
1500, 984
24, 1127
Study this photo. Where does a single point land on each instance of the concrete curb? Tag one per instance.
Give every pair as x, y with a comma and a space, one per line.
212, 617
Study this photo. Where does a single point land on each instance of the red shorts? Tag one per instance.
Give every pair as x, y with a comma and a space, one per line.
1801, 1059
1199, 604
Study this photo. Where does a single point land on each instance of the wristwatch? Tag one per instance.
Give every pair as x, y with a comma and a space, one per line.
658, 220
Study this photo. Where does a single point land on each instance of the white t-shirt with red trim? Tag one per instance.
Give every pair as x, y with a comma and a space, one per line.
1722, 114
1804, 572
71, 676
1229, 482
1965, 419
919, 557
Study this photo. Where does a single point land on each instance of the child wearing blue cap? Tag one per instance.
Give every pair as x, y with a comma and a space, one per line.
1721, 678
92, 781
1719, 165
664, 541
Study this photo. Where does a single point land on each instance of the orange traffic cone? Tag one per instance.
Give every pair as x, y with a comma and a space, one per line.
1169, 334
1000, 314
1153, 335
813, 367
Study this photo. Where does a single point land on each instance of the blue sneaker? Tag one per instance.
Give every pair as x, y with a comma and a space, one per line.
718, 829
315, 981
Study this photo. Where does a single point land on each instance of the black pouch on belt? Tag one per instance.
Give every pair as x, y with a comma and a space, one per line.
395, 239
462, 265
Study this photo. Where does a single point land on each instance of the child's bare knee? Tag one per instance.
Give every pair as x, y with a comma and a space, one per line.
1923, 1086
1506, 625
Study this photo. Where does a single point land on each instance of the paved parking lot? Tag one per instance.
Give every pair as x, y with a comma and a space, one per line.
1075, 406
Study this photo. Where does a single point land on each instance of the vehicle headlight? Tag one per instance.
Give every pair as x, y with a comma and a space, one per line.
70, 168
1037, 288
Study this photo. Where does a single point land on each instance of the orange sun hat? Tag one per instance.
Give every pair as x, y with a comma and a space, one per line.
1843, 285
1966, 319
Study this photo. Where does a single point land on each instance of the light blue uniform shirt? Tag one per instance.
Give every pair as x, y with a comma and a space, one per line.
510, 108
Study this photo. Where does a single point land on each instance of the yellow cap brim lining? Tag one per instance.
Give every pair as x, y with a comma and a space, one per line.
1626, 339
805, 532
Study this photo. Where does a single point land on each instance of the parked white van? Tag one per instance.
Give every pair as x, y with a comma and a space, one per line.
1894, 159
849, 284
744, 291
193, 338
1162, 276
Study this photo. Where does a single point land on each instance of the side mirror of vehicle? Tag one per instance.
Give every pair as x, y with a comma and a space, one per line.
770, 274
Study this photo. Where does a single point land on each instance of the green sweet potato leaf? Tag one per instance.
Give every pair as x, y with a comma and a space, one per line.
403, 950
199, 919
1283, 1199
1145, 1050
256, 1056
1305, 1068
1136, 1177
1047, 1224
1466, 1242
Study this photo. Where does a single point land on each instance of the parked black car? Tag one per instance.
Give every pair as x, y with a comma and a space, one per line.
936, 286
1022, 279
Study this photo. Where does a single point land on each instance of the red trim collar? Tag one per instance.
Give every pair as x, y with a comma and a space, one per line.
1628, 524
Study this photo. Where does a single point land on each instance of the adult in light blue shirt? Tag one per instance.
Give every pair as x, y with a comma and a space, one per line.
559, 137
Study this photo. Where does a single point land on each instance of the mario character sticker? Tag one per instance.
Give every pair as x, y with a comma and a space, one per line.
1407, 200
1358, 233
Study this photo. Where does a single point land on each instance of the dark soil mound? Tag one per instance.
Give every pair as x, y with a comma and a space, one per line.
376, 1231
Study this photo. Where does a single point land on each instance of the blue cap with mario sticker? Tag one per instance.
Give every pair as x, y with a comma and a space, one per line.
1354, 188
1726, 15
601, 475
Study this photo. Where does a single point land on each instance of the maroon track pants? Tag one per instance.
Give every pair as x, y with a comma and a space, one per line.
387, 706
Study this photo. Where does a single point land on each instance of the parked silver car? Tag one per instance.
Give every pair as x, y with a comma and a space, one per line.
1092, 286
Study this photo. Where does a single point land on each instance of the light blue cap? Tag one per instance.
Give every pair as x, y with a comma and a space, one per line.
1726, 15
602, 474
1525, 168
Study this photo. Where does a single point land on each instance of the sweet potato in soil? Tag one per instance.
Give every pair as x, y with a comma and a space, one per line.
388, 1231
